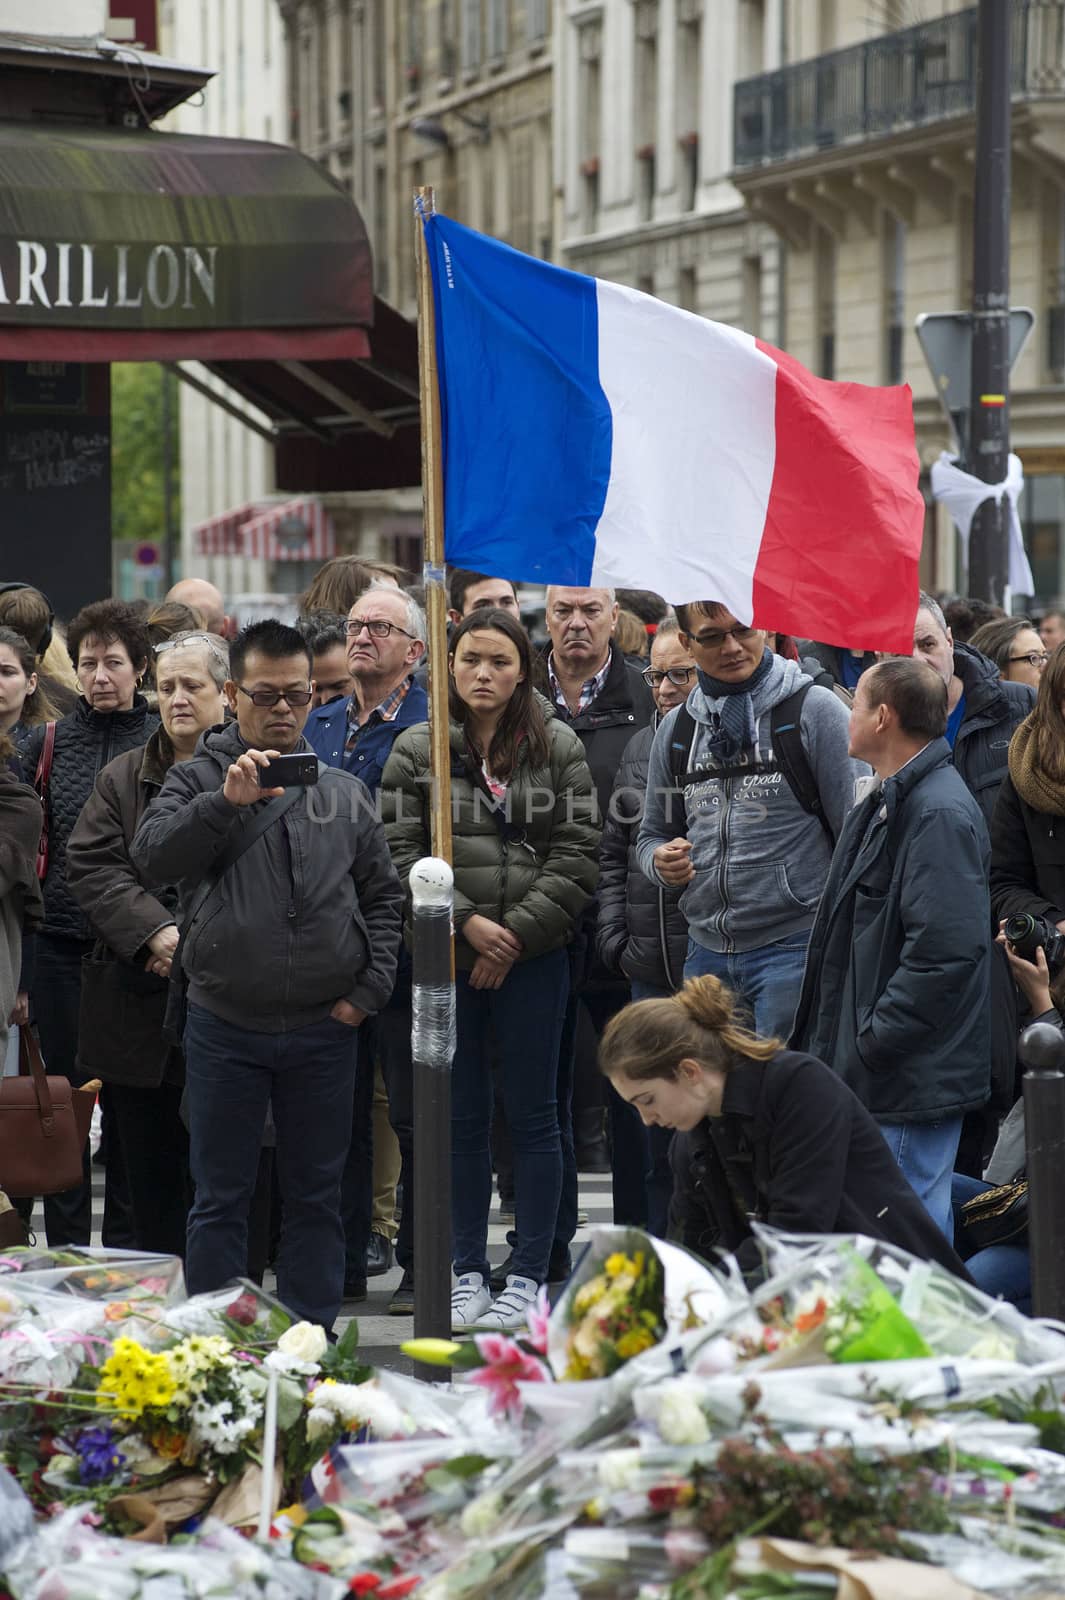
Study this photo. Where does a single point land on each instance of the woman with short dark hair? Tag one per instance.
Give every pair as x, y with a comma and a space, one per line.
108, 645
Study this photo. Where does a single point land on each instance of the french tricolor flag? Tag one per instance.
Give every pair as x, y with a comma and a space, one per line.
595, 435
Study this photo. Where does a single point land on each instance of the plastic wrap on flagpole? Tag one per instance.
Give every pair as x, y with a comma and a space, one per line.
433, 1030
962, 494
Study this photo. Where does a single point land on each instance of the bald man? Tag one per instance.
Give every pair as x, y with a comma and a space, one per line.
207, 600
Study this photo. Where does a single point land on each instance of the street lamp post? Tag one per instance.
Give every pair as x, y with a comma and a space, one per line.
989, 411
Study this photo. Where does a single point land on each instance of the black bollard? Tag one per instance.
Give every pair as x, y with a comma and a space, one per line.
1042, 1053
432, 1047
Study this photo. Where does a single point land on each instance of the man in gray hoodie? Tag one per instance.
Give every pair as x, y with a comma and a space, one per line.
747, 830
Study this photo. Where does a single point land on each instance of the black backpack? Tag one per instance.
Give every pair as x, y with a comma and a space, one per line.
788, 755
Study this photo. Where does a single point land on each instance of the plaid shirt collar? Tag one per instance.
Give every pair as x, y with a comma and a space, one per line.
387, 711
591, 688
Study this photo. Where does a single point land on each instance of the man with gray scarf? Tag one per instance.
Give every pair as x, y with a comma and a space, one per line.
747, 829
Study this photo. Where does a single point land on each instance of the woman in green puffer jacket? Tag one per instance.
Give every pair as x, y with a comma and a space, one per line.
525, 855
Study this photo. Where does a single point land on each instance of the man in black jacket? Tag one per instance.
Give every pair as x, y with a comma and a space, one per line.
982, 709
289, 953
641, 934
603, 697
895, 994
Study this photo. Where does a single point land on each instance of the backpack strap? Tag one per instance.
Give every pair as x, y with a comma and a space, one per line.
679, 752
791, 757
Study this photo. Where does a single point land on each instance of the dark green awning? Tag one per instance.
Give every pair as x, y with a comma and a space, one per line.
127, 245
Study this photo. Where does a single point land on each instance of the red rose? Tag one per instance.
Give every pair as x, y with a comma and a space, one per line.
244, 1310
364, 1583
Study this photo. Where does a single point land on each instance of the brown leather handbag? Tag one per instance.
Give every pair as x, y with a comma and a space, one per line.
44, 1123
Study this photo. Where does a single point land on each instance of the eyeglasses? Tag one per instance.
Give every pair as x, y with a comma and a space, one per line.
377, 630
681, 676
1034, 658
714, 641
269, 697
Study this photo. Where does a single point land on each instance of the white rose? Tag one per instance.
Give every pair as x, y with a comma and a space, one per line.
481, 1516
679, 1417
619, 1468
304, 1341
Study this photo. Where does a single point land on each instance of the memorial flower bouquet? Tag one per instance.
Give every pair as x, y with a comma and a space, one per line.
617, 1313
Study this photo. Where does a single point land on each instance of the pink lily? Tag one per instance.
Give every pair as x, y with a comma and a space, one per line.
539, 1315
506, 1365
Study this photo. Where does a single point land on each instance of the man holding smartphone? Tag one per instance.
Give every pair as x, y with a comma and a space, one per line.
291, 943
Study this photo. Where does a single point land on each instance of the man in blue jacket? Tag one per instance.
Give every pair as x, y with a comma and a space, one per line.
385, 645
896, 991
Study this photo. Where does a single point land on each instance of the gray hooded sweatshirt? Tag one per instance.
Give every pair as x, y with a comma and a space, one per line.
760, 860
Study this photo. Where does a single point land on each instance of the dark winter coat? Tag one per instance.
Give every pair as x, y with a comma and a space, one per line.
85, 741
623, 706
794, 1148
1027, 859
124, 912
20, 893
640, 931
993, 709
828, 658
309, 915
895, 996
533, 868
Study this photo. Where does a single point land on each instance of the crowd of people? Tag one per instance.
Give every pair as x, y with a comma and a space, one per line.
731, 915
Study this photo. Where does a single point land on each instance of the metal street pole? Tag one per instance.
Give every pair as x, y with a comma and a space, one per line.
1042, 1052
989, 411
168, 483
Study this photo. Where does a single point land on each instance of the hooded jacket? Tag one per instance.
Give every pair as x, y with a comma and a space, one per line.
895, 996
760, 860
640, 931
993, 709
309, 915
85, 741
795, 1149
532, 865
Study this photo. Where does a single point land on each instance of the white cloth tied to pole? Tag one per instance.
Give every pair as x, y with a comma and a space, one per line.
962, 494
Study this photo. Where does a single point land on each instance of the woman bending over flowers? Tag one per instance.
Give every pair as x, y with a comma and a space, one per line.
764, 1132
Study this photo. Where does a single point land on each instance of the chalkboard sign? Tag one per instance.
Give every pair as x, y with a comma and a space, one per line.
55, 480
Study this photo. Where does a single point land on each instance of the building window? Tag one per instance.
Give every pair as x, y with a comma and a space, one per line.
646, 283
825, 290
471, 35
589, 131
446, 39
751, 310
412, 55
537, 17
894, 297
497, 29
378, 58
689, 95
687, 289
1054, 304
380, 230
751, 48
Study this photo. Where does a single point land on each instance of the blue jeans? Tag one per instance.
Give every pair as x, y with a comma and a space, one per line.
524, 1020
766, 980
925, 1152
1004, 1271
308, 1076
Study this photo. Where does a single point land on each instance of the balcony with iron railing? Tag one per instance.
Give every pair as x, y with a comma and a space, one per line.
911, 79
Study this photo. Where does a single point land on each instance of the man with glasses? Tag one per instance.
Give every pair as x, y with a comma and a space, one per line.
386, 634
287, 947
742, 814
641, 934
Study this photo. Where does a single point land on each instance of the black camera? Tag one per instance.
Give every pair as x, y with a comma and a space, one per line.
1026, 933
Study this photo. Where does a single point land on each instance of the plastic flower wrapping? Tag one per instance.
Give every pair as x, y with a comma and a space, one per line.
860, 1424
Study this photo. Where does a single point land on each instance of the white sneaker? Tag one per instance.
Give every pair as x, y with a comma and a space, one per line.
470, 1299
511, 1309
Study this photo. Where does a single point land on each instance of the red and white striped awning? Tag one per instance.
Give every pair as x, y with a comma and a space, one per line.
223, 535
296, 530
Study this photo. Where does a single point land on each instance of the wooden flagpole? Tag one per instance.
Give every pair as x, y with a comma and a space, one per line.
433, 568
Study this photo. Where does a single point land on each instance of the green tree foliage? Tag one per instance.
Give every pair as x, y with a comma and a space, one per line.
138, 451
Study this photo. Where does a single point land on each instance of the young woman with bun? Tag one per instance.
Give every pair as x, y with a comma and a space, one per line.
764, 1133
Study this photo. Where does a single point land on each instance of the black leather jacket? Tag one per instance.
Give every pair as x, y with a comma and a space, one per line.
85, 741
640, 932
